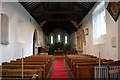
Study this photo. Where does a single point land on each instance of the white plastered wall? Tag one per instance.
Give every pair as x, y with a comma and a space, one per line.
119, 38
106, 49
0, 32
21, 30
0, 39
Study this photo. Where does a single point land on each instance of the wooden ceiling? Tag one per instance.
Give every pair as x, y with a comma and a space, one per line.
58, 14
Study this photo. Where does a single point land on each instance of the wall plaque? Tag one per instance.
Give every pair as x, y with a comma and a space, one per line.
4, 29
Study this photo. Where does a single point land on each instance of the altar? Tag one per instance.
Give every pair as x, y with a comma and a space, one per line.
59, 52
45, 53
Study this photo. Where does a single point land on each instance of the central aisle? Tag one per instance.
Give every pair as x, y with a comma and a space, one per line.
59, 69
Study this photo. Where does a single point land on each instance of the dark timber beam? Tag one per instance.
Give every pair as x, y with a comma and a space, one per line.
81, 6
35, 7
56, 20
57, 12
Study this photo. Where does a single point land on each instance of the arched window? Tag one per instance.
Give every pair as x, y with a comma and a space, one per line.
99, 23
51, 39
66, 40
58, 37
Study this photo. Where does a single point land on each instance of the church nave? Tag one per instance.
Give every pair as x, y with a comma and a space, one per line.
55, 39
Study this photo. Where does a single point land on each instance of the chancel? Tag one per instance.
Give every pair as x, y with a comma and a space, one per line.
59, 40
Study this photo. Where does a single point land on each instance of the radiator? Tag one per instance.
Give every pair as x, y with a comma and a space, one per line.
115, 75
104, 73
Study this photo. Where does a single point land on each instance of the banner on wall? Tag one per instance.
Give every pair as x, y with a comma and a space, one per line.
114, 9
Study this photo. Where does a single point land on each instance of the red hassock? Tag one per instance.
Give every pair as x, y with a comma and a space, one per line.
59, 70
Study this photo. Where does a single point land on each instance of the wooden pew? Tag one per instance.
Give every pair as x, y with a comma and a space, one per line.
30, 60
25, 63
84, 63
28, 67
82, 66
34, 60
115, 71
86, 70
24, 67
18, 79
69, 58
18, 73
30, 63
48, 59
48, 64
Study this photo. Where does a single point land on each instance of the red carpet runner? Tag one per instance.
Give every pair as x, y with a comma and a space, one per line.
59, 70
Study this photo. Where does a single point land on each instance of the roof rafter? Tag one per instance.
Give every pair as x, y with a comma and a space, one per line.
79, 5
40, 4
57, 12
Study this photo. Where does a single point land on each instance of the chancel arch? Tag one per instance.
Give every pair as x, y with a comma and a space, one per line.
58, 36
58, 39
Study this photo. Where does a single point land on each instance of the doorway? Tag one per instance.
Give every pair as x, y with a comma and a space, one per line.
35, 42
